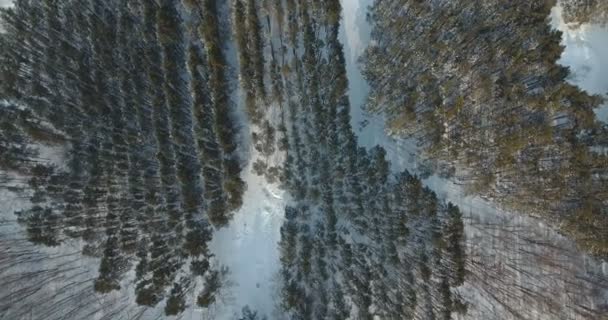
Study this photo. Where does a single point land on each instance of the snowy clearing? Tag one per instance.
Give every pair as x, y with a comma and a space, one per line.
248, 246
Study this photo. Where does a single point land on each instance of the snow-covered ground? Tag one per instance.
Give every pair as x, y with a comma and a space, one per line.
586, 54
519, 257
248, 246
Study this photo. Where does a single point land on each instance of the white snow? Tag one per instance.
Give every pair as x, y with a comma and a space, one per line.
350, 10
248, 246
586, 54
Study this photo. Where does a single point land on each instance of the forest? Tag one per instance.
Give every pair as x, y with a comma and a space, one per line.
489, 105
130, 131
137, 94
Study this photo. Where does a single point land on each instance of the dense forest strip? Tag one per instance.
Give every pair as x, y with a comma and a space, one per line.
220, 95
205, 131
138, 103
355, 231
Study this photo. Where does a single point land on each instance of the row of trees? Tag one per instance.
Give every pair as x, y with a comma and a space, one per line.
137, 93
478, 85
262, 54
250, 40
18, 127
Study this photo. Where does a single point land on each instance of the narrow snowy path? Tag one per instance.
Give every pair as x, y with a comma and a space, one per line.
248, 246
